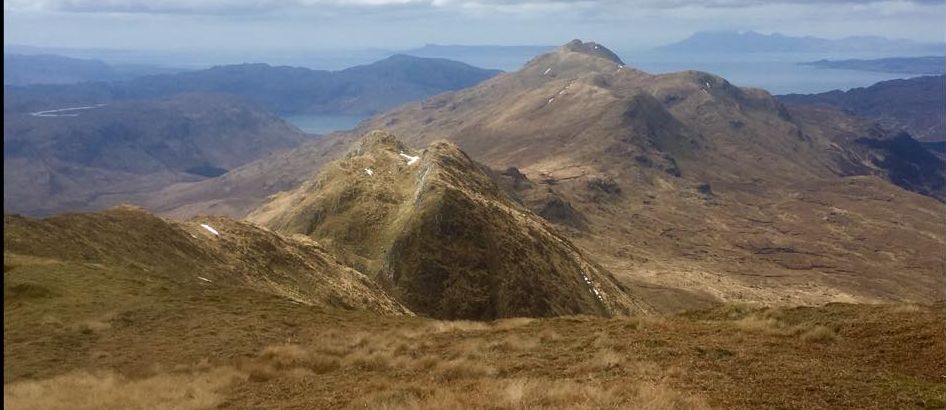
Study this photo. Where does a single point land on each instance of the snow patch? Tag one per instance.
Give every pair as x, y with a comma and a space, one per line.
64, 112
547, 71
410, 160
708, 85
205, 279
210, 229
592, 287
550, 100
369, 171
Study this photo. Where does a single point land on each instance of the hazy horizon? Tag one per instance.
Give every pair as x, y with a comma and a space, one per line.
334, 25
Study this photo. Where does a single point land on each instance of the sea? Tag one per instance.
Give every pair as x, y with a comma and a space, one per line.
322, 124
774, 72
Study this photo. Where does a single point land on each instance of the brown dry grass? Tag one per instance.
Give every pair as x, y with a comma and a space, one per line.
83, 390
532, 394
286, 355
770, 322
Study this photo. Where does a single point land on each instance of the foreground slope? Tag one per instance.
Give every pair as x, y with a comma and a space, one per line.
442, 236
124, 310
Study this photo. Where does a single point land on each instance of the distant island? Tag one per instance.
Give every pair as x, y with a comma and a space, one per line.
754, 42
897, 65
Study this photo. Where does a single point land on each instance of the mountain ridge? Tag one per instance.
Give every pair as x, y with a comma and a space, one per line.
364, 89
438, 232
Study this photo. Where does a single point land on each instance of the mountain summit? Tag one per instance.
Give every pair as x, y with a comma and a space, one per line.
592, 48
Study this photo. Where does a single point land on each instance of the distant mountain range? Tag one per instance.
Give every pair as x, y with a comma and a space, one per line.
363, 89
85, 146
19, 69
88, 157
507, 58
752, 42
899, 65
914, 105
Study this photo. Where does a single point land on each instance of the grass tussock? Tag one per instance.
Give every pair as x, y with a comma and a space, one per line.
443, 326
512, 323
819, 334
515, 343
277, 361
463, 369
82, 390
527, 393
906, 308
603, 360
769, 324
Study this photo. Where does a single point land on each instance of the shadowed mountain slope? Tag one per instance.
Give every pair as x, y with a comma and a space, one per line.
435, 229
915, 105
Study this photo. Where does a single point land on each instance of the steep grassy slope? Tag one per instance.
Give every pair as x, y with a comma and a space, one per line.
442, 236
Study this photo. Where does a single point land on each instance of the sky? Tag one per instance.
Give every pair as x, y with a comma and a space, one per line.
402, 24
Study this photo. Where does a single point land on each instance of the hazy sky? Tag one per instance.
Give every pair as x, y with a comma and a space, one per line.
333, 24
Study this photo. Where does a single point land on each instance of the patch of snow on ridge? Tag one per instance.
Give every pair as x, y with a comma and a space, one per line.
204, 279
592, 287
547, 71
410, 160
369, 171
210, 229
62, 112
